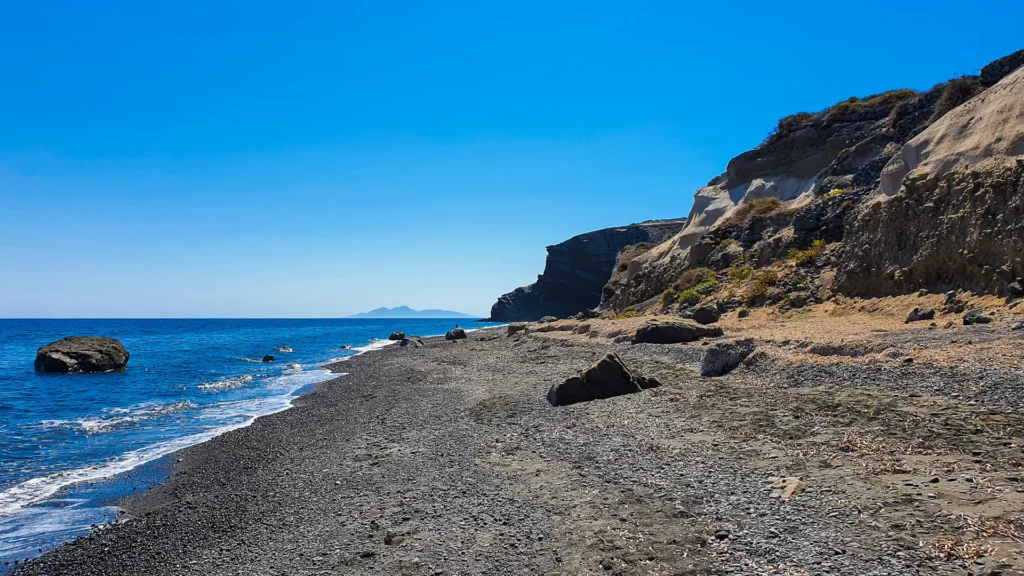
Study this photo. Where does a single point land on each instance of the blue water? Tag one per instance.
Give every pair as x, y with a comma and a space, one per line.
186, 381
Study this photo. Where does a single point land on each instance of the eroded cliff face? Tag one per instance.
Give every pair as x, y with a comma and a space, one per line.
950, 208
575, 272
815, 174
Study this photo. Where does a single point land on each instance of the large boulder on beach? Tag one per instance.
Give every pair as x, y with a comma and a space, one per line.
397, 336
919, 314
78, 354
721, 357
674, 332
413, 341
516, 327
608, 378
457, 334
706, 315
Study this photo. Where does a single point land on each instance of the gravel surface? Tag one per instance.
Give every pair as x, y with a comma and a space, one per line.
447, 459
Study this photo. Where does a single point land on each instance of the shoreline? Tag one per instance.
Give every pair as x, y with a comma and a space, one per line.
448, 459
106, 486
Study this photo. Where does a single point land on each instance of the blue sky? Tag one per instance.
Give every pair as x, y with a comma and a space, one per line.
167, 159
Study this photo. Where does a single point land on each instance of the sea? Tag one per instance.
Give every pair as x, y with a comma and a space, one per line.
71, 445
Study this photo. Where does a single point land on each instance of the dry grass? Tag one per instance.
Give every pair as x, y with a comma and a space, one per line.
747, 210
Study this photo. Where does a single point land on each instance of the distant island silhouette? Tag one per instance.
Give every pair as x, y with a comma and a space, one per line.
406, 312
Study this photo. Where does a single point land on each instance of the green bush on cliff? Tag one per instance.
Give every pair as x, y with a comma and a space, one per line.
747, 210
761, 286
627, 313
809, 256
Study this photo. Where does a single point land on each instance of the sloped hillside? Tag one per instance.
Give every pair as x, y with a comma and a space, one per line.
793, 198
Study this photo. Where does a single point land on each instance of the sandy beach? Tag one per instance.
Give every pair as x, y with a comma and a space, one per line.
447, 459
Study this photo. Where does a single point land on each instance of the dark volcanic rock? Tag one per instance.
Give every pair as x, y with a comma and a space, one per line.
721, 357
608, 378
706, 315
575, 272
976, 316
414, 342
918, 314
81, 354
457, 334
397, 336
268, 358
673, 332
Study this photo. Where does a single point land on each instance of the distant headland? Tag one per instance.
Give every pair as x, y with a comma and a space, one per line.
406, 312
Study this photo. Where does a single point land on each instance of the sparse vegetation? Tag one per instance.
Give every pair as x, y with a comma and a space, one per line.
748, 210
690, 288
836, 192
809, 256
725, 244
761, 286
856, 105
956, 92
627, 313
738, 274
623, 266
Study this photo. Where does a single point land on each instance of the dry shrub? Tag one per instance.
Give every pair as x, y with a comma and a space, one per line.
747, 210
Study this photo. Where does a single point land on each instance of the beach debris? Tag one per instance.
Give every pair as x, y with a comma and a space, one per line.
721, 357
80, 354
706, 315
457, 334
918, 314
516, 327
285, 349
976, 316
608, 378
397, 336
785, 488
268, 358
673, 332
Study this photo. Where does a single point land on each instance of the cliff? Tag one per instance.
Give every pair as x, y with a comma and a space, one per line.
832, 184
575, 272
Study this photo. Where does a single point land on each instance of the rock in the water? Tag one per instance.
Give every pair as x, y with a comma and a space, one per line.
918, 314
285, 349
76, 354
457, 334
706, 315
397, 336
516, 327
608, 378
673, 332
268, 358
976, 316
721, 357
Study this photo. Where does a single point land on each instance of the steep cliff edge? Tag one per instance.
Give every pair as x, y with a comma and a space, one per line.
575, 272
819, 173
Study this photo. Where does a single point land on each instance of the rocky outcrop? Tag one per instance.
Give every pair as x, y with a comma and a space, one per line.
722, 357
80, 354
606, 379
817, 172
397, 336
949, 212
456, 334
575, 272
673, 332
268, 358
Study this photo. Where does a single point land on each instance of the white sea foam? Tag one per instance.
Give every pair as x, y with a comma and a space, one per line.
226, 384
237, 414
119, 418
